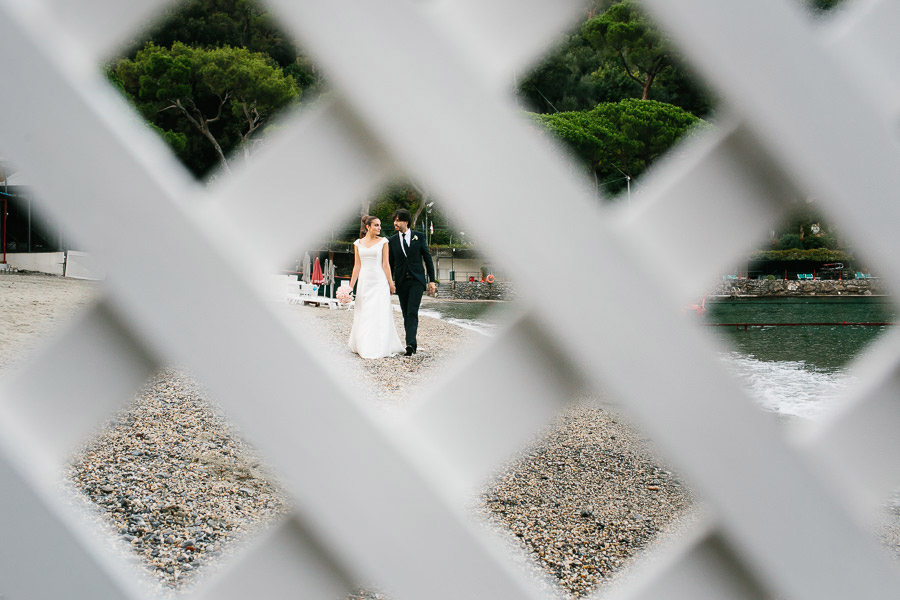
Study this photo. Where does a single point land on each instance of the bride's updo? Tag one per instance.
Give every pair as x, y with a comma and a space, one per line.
364, 224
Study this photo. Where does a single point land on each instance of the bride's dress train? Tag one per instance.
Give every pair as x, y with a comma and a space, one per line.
374, 334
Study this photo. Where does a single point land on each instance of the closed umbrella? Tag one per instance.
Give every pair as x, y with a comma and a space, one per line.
317, 278
306, 268
329, 277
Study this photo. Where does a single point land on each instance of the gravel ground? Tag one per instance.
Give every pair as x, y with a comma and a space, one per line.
175, 482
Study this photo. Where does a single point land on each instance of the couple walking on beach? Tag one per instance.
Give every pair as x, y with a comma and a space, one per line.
382, 267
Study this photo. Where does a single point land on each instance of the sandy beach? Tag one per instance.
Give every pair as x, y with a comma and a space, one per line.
175, 482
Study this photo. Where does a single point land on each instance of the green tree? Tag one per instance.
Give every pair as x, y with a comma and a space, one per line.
236, 23
400, 194
616, 140
214, 23
625, 37
225, 95
581, 73
823, 5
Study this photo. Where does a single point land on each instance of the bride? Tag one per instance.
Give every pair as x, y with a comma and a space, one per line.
374, 334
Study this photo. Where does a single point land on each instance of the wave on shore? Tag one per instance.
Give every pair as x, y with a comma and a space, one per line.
789, 388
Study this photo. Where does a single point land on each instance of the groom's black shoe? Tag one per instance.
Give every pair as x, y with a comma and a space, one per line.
410, 351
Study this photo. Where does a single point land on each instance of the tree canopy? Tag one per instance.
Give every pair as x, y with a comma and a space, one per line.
627, 39
616, 140
223, 94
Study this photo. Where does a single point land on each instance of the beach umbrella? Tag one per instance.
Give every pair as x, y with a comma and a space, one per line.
306, 268
317, 278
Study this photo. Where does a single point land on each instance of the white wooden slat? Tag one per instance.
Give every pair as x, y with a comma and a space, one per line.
299, 181
699, 566
406, 506
474, 190
504, 37
858, 443
713, 201
513, 387
103, 25
856, 182
282, 562
864, 39
47, 551
76, 381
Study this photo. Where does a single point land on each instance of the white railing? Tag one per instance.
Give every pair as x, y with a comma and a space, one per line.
425, 87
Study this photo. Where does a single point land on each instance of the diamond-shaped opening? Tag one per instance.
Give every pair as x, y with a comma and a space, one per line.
797, 312
615, 93
589, 498
175, 481
473, 295
210, 77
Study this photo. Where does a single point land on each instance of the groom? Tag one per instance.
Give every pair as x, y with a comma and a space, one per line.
407, 250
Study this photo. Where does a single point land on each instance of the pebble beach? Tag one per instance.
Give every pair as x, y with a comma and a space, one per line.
174, 483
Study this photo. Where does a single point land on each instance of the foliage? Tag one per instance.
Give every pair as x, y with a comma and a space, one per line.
814, 255
620, 139
790, 241
220, 95
400, 194
581, 73
823, 5
628, 40
215, 23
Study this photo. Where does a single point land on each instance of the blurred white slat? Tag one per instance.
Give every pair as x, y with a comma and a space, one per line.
103, 25
864, 38
700, 566
282, 562
858, 444
495, 401
47, 551
504, 37
705, 207
77, 380
322, 166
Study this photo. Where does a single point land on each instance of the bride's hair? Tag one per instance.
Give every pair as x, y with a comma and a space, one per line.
364, 224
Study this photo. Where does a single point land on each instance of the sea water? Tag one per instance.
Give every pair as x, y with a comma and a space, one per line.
800, 371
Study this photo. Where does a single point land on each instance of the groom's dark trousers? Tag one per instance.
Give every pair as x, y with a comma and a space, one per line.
409, 292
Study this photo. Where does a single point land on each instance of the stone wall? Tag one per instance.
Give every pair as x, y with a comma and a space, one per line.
779, 287
476, 290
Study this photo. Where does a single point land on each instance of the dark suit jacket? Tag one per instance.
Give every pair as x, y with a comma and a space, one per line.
417, 254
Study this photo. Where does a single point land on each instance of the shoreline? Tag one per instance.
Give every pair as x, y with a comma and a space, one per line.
179, 489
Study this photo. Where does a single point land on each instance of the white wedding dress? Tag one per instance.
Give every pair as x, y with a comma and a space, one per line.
374, 334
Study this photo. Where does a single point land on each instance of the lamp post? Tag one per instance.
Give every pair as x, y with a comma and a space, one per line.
627, 181
427, 232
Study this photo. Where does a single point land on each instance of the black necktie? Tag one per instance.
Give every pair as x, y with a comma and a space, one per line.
403, 243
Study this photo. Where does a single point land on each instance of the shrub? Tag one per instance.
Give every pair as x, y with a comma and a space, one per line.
829, 241
790, 241
818, 255
812, 242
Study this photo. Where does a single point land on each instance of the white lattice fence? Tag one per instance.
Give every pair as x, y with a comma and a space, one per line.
424, 87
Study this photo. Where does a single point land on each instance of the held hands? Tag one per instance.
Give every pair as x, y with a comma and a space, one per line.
393, 288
